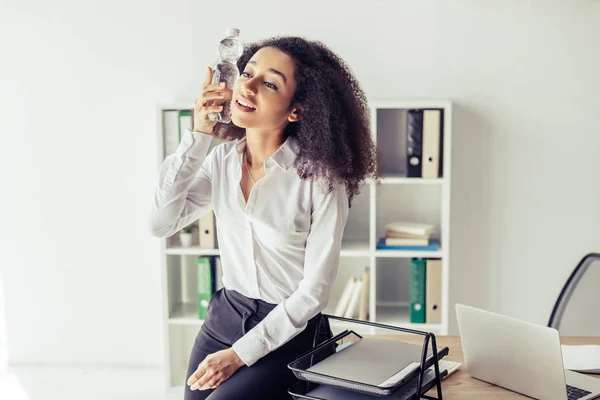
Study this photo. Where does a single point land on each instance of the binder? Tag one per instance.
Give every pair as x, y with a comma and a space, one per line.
204, 285
416, 290
428, 357
431, 143
433, 291
206, 225
414, 142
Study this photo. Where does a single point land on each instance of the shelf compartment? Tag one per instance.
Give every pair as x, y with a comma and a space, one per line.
391, 137
415, 203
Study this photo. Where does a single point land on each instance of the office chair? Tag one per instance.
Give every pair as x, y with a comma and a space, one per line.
577, 312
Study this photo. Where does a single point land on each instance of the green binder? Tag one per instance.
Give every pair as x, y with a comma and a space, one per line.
416, 290
204, 285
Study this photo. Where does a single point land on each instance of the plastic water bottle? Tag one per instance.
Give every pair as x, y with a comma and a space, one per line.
226, 70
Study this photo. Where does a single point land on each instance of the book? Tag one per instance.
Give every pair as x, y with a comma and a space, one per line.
353, 303
412, 228
342, 303
417, 290
392, 234
433, 245
406, 242
363, 312
204, 289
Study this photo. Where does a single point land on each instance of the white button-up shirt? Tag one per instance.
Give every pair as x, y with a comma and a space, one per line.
282, 246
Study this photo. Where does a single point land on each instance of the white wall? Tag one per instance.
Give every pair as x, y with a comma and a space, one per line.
79, 82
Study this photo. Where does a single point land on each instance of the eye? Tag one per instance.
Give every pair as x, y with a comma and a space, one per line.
268, 84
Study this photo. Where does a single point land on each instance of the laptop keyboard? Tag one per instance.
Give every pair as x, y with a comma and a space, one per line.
574, 393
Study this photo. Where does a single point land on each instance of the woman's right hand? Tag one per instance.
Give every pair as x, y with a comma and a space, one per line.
211, 100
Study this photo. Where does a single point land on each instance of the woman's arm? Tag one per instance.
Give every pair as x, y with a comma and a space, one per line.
322, 254
184, 189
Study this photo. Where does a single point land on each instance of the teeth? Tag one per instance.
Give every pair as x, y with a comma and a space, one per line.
246, 105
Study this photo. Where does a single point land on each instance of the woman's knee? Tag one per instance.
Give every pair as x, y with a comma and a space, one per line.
255, 383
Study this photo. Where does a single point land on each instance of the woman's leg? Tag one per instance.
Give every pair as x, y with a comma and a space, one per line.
204, 345
270, 378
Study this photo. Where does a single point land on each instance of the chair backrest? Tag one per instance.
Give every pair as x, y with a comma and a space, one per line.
577, 309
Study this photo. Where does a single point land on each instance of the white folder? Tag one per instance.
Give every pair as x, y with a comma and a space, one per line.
431, 143
206, 225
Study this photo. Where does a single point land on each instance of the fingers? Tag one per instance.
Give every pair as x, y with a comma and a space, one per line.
223, 95
209, 379
209, 73
197, 374
212, 384
215, 108
214, 87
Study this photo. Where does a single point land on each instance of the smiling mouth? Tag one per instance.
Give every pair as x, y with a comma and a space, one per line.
243, 107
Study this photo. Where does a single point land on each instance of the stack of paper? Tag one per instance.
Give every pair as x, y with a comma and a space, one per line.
585, 358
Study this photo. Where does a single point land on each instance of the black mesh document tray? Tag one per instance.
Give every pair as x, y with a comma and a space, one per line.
326, 365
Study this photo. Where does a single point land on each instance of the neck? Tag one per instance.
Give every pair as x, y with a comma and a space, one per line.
261, 145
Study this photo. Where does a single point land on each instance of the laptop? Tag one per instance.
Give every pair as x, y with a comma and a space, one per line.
396, 361
519, 356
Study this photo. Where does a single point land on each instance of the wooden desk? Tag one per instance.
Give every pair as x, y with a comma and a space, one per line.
461, 386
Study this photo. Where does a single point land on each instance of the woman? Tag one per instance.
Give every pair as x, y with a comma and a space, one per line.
297, 150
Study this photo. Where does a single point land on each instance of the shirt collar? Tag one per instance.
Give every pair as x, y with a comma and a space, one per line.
284, 157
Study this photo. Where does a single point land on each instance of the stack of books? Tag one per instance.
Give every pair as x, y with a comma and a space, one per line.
404, 235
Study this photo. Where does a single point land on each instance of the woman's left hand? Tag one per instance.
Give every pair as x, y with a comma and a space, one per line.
215, 369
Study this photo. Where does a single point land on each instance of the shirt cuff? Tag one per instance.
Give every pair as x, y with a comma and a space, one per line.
250, 348
273, 331
195, 144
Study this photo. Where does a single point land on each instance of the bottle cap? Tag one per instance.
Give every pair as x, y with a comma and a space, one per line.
233, 32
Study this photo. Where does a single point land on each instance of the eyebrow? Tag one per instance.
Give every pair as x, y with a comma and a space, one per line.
271, 70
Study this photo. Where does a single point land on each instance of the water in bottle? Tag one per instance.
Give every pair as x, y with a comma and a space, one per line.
226, 70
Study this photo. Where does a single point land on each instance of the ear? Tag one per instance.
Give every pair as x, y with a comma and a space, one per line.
296, 114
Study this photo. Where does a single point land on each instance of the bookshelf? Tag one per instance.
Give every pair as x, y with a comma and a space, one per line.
396, 198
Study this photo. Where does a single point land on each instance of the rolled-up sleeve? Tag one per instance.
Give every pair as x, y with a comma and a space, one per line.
290, 317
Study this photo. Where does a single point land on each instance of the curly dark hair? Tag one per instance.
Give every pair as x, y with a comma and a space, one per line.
334, 134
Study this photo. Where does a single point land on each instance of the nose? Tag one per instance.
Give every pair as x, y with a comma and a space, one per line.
249, 86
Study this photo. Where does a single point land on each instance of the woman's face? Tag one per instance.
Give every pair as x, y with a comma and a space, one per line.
267, 84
